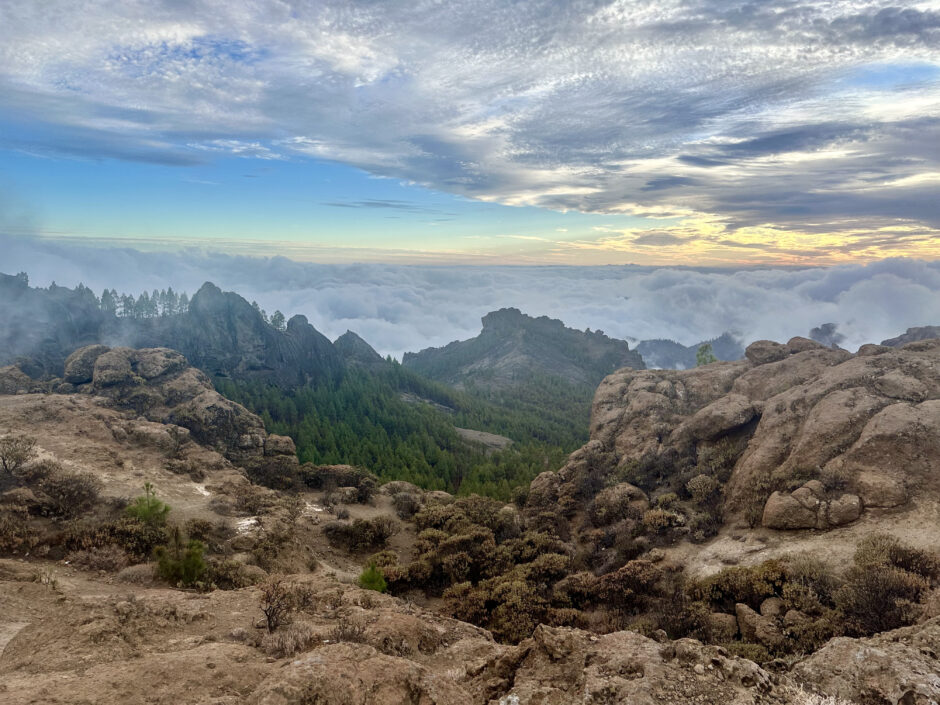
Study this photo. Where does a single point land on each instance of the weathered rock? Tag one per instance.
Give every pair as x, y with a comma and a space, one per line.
772, 607
794, 618
722, 627
799, 344
757, 629
723, 415
844, 510
762, 352
113, 367
279, 445
895, 667
14, 381
153, 362
80, 365
783, 511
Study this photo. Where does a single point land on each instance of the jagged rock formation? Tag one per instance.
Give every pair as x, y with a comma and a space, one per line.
865, 426
912, 335
159, 384
514, 347
221, 333
670, 355
358, 353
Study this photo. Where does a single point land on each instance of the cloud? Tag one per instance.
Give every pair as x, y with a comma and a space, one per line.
406, 308
785, 114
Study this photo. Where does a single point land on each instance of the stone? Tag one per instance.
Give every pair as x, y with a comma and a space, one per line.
80, 365
772, 607
153, 362
763, 352
877, 490
722, 627
799, 344
783, 511
113, 368
844, 510
14, 381
757, 629
279, 445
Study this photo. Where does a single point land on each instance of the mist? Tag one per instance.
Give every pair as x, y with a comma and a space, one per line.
399, 308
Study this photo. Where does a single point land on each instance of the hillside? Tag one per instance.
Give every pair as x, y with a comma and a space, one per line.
588, 585
513, 348
219, 332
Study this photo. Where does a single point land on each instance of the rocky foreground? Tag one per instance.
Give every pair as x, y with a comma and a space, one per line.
815, 447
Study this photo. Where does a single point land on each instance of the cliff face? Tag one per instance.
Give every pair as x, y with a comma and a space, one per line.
512, 347
805, 437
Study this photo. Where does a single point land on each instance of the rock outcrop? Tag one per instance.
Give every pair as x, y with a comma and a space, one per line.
895, 667
357, 353
855, 431
159, 384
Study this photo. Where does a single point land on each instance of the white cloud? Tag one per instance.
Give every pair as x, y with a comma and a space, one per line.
407, 308
755, 112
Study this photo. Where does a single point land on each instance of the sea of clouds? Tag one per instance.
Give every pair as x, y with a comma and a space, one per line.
401, 308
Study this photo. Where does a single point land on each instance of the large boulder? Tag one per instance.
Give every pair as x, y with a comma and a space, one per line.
756, 628
14, 381
895, 667
113, 368
80, 365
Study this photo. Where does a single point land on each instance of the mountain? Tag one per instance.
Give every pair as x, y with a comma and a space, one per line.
513, 348
357, 353
912, 335
220, 333
670, 355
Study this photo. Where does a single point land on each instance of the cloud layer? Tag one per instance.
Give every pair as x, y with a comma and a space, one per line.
784, 127
407, 308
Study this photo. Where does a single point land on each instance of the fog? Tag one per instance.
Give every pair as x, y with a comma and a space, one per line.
407, 308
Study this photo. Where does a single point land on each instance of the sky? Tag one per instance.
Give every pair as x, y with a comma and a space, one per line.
722, 133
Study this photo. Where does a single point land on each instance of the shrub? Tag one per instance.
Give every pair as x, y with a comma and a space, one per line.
704, 490
372, 578
182, 562
199, 529
70, 493
750, 585
134, 536
109, 558
147, 508
348, 630
229, 575
406, 504
16, 534
293, 639
277, 603
362, 534
15, 452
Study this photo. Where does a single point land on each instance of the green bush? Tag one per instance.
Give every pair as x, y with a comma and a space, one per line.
750, 585
181, 562
362, 534
372, 579
147, 508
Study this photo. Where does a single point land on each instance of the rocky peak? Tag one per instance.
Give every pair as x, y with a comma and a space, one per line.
356, 352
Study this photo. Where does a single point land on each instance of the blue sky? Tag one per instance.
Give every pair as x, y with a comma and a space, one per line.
719, 132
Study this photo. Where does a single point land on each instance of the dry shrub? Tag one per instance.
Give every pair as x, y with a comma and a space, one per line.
750, 585
406, 504
362, 534
292, 639
348, 630
16, 534
109, 558
15, 452
70, 493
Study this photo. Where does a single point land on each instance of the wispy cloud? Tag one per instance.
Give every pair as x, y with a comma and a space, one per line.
795, 117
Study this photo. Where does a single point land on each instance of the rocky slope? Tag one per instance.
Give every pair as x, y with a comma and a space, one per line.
513, 347
912, 335
807, 438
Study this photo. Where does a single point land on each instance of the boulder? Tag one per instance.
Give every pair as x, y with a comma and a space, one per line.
794, 618
879, 490
14, 381
763, 352
721, 416
895, 667
279, 445
153, 362
80, 365
757, 629
772, 607
722, 627
844, 510
799, 344
113, 368
783, 511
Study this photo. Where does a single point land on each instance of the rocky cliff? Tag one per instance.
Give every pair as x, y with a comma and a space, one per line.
513, 347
